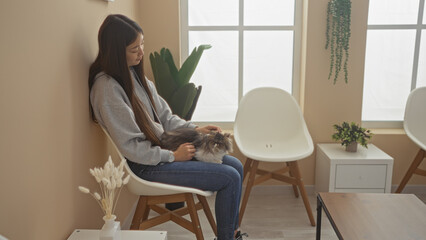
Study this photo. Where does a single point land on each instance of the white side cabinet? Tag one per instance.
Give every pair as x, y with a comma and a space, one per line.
88, 234
367, 170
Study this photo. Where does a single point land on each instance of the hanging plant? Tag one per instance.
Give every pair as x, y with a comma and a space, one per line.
338, 34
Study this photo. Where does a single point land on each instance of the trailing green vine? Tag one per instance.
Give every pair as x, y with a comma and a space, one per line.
337, 34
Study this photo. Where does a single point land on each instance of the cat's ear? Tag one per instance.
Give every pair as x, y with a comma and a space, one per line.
227, 135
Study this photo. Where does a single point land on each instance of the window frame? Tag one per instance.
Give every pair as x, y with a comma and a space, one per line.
240, 28
419, 26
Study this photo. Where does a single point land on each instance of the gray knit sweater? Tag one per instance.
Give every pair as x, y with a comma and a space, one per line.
113, 111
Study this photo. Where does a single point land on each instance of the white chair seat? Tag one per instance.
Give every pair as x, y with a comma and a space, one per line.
276, 151
142, 187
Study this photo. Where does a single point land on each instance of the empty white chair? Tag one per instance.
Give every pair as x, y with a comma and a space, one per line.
154, 193
269, 127
415, 128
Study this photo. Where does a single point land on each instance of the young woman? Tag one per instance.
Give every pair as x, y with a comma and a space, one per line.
128, 106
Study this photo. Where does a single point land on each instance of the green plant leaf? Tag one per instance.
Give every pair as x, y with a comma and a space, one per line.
182, 100
188, 116
163, 79
162, 53
188, 67
168, 58
153, 64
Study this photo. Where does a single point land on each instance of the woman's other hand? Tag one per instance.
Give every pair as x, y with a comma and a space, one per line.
208, 128
185, 152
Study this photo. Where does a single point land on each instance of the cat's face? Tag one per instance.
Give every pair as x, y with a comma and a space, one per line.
217, 142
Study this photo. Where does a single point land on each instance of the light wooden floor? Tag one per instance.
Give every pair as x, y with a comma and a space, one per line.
272, 213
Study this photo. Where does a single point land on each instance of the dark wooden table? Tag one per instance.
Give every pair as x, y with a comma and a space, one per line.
371, 216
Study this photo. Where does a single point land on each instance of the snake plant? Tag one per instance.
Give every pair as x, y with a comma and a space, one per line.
173, 84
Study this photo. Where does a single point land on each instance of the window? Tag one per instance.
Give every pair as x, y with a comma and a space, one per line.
395, 60
255, 43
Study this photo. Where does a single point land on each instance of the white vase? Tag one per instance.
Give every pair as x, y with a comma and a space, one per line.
111, 229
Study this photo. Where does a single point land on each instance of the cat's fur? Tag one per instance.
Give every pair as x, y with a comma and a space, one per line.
209, 147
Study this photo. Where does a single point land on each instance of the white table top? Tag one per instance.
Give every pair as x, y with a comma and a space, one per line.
337, 152
89, 234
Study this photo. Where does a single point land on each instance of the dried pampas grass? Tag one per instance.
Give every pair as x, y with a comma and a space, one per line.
110, 179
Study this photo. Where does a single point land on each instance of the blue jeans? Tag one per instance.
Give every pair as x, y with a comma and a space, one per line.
225, 179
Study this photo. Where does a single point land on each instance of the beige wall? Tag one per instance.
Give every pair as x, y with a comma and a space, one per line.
48, 142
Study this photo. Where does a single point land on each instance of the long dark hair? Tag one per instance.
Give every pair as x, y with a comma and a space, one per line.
115, 34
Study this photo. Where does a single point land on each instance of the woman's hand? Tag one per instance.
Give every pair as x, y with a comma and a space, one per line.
185, 152
208, 128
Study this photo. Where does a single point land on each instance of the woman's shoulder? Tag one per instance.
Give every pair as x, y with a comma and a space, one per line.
104, 82
103, 79
106, 86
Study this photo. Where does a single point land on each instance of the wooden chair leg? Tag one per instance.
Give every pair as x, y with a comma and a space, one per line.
145, 204
294, 167
247, 167
141, 213
414, 165
296, 192
149, 223
249, 186
194, 216
208, 213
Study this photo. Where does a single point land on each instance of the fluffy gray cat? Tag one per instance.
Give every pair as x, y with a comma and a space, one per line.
209, 147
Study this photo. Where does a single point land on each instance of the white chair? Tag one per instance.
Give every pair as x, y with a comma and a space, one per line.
154, 193
269, 127
415, 128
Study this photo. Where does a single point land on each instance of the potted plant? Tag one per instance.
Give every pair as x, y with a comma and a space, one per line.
173, 84
350, 135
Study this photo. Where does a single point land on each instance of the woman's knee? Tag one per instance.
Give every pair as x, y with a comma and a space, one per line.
233, 162
233, 175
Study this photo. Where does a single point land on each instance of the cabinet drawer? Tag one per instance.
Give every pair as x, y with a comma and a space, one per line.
360, 176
